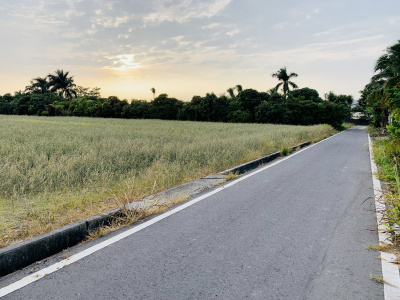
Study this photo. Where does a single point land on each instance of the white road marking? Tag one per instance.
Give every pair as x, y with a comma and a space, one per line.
390, 271
74, 258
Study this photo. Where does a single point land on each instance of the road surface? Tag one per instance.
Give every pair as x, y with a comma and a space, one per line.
296, 230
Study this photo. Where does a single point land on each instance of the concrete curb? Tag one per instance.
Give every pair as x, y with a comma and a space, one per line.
25, 253
259, 161
390, 268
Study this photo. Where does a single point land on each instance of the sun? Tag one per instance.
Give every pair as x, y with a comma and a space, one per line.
123, 62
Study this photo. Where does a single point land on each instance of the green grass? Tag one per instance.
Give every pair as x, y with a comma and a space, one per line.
54, 171
387, 157
346, 126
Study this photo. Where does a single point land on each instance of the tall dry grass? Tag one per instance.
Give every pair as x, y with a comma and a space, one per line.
54, 171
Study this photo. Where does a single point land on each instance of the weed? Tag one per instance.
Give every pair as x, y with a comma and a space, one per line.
346, 126
372, 130
285, 152
377, 278
231, 176
373, 247
127, 216
389, 248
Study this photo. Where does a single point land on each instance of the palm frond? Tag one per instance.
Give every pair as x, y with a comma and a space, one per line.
277, 86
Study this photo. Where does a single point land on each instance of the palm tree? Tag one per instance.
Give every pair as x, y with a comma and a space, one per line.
38, 85
153, 90
231, 93
387, 75
283, 76
61, 83
388, 66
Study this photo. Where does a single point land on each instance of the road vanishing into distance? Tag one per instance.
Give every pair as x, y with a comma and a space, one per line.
297, 229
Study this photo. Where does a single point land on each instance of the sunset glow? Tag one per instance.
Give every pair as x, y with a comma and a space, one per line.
185, 48
123, 62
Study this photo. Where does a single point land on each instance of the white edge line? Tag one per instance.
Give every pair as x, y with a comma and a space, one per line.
74, 258
390, 271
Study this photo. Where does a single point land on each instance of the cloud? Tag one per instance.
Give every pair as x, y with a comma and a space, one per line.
219, 29
178, 38
347, 49
72, 11
123, 36
92, 30
394, 21
233, 32
280, 25
122, 62
313, 12
73, 35
39, 13
212, 26
109, 21
328, 32
183, 10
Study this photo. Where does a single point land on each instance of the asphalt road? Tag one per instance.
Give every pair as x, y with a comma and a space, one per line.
297, 230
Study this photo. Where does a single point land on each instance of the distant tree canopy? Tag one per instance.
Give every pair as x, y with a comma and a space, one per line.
305, 94
339, 99
57, 95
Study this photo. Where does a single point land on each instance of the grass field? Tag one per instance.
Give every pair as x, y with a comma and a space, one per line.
54, 171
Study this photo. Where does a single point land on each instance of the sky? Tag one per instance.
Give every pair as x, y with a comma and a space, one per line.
193, 47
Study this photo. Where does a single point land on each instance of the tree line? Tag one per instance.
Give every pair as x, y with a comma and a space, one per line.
57, 95
381, 96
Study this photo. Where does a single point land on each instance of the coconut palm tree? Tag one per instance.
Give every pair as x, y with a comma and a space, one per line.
283, 76
153, 90
387, 75
61, 83
38, 85
231, 93
387, 67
